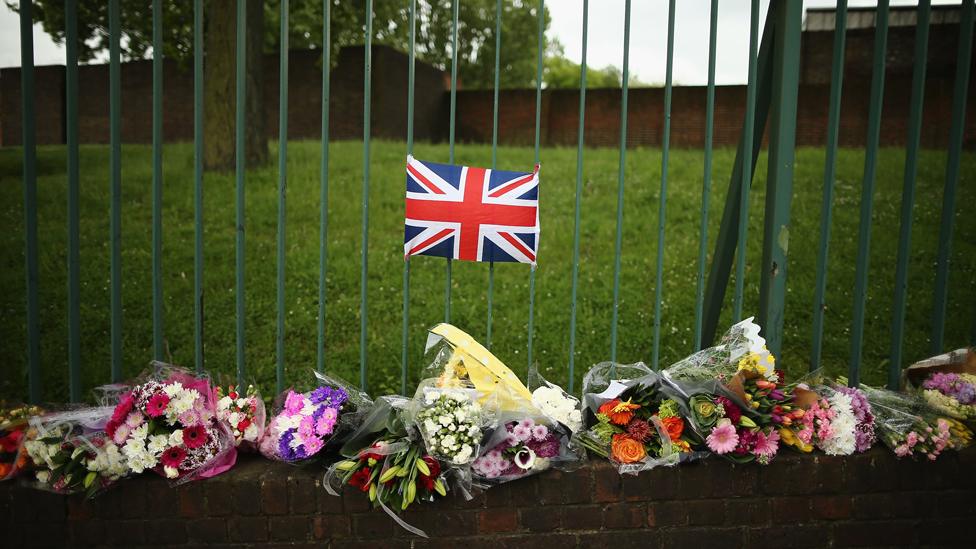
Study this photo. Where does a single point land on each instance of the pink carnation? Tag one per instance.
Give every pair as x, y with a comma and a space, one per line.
294, 403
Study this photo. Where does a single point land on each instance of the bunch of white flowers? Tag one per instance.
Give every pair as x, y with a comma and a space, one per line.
451, 425
556, 404
141, 450
842, 439
110, 462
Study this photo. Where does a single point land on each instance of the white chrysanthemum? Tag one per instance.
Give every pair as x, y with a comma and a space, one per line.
172, 389
140, 433
842, 440
157, 443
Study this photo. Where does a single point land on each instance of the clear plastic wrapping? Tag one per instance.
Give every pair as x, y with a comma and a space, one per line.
721, 362
524, 444
304, 423
909, 428
947, 383
71, 453
451, 421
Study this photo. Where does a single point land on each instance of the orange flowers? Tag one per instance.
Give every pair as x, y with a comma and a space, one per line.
674, 426
624, 449
619, 412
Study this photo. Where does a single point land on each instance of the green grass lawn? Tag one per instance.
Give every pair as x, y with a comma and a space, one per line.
470, 280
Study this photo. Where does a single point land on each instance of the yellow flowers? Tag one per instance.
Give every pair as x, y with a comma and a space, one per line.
790, 439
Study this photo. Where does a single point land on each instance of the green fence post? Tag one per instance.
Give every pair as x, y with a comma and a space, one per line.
198, 17
707, 177
579, 195
956, 131
663, 198
367, 82
908, 191
867, 191
241, 93
830, 171
74, 259
741, 249
621, 171
540, 46
30, 200
411, 72
779, 185
455, 8
282, 191
158, 307
324, 182
494, 154
115, 186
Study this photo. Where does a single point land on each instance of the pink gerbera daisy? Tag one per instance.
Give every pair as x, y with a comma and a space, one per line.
723, 438
157, 405
766, 445
173, 457
195, 436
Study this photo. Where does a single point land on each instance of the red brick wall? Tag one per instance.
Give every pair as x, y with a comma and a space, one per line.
797, 501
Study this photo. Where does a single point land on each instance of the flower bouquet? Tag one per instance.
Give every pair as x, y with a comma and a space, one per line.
167, 423
13, 426
723, 361
71, 452
836, 419
243, 414
632, 421
521, 447
388, 463
947, 383
729, 432
906, 426
450, 422
306, 422
555, 403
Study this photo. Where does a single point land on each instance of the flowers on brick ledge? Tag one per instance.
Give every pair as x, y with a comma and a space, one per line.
472, 424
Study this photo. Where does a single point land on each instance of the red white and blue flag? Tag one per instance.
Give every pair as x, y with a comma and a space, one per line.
471, 214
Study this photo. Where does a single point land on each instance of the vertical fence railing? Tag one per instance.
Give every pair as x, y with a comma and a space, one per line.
707, 176
74, 263
115, 187
540, 47
663, 197
282, 191
830, 176
494, 154
367, 98
158, 306
747, 132
411, 75
621, 173
324, 183
239, 169
959, 97
772, 90
908, 191
30, 201
867, 190
579, 196
198, 17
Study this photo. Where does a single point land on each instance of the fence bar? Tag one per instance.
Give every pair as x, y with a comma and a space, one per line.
908, 191
157, 183
665, 146
115, 184
494, 153
367, 95
621, 171
830, 174
740, 255
956, 131
282, 188
324, 180
456, 6
30, 200
239, 168
540, 45
707, 176
779, 183
579, 195
867, 191
74, 261
411, 71
198, 17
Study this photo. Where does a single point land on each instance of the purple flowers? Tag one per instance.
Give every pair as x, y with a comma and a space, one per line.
952, 385
299, 431
527, 447
864, 435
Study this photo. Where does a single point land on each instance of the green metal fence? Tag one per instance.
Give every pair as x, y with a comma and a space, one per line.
773, 79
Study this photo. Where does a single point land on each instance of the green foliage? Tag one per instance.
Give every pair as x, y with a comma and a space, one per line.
476, 31
470, 279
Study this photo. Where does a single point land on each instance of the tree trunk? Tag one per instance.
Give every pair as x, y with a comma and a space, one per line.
220, 91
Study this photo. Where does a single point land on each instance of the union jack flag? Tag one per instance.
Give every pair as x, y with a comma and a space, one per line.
472, 214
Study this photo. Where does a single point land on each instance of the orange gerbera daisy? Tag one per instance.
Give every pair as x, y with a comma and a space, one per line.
619, 412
